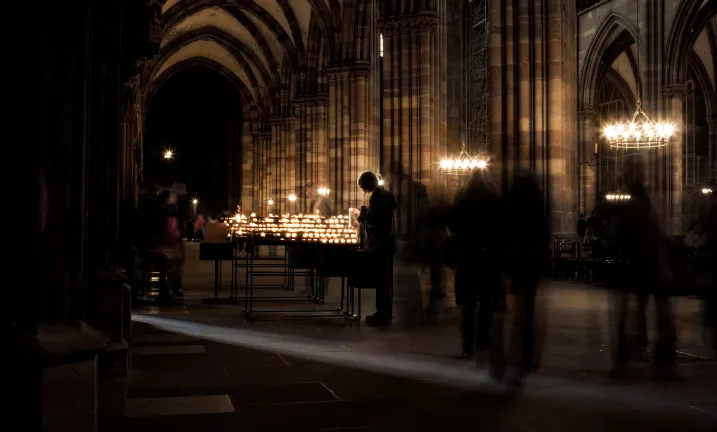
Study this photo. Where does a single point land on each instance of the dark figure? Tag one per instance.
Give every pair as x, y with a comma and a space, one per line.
377, 220
527, 258
641, 250
477, 225
435, 257
582, 225
595, 222
709, 266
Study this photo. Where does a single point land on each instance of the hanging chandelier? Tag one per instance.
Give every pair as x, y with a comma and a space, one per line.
617, 197
463, 164
639, 134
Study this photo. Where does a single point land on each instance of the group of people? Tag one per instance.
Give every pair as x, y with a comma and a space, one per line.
499, 244
472, 237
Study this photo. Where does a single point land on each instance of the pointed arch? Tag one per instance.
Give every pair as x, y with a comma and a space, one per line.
615, 32
690, 19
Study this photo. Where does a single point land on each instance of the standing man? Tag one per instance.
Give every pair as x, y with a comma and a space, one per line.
377, 219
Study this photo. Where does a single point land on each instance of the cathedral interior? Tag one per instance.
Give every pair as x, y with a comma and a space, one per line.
260, 99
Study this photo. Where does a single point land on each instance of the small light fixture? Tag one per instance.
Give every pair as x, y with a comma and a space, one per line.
292, 197
324, 191
706, 191
270, 202
168, 154
617, 197
463, 164
195, 201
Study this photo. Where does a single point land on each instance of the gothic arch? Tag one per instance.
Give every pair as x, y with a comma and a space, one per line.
237, 48
613, 35
690, 19
700, 72
239, 10
249, 102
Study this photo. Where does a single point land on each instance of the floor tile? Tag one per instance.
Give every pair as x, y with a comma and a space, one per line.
168, 349
183, 405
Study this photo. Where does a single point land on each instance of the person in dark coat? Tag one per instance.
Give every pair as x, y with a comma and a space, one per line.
477, 224
378, 222
642, 249
527, 259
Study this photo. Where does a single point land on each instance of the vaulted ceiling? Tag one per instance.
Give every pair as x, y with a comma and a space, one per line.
263, 43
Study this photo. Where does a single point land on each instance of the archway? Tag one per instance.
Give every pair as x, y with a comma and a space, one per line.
197, 114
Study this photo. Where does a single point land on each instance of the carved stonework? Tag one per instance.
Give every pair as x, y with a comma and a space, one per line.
588, 114
409, 24
282, 120
358, 69
311, 100
674, 91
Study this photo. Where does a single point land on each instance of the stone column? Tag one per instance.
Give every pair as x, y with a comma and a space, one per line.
533, 106
588, 138
712, 152
348, 134
248, 165
311, 144
409, 103
674, 103
265, 181
275, 154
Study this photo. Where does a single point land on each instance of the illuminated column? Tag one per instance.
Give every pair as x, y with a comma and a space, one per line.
248, 165
276, 154
348, 131
267, 170
589, 136
674, 100
311, 164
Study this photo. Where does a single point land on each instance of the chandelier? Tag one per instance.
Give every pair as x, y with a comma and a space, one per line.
639, 134
617, 197
463, 164
643, 133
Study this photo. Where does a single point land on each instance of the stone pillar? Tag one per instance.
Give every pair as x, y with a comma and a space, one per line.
311, 145
348, 132
533, 106
588, 138
275, 154
248, 165
409, 104
712, 152
674, 102
264, 143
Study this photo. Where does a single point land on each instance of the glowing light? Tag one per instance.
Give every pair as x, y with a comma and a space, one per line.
706, 191
324, 191
270, 202
617, 197
195, 201
381, 182
639, 133
463, 164
168, 154
292, 197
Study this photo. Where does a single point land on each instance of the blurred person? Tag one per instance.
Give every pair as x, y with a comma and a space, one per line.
412, 243
199, 227
708, 267
695, 237
595, 221
166, 240
380, 243
582, 225
644, 270
435, 257
477, 224
528, 251
319, 204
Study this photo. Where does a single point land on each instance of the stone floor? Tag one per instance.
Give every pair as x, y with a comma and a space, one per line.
199, 367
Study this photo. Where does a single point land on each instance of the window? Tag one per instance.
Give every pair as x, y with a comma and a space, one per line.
380, 45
